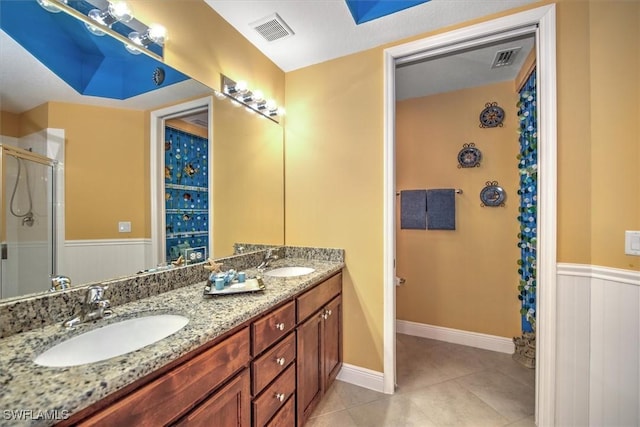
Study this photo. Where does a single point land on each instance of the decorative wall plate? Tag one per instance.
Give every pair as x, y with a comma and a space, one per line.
492, 115
469, 156
492, 195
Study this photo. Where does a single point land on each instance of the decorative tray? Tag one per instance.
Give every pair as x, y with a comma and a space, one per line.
250, 285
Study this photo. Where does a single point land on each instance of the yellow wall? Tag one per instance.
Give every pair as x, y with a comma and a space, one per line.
462, 279
333, 184
188, 127
104, 170
9, 124
334, 145
203, 45
615, 130
248, 177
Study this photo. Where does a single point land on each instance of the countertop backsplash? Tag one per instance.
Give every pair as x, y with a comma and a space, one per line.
27, 313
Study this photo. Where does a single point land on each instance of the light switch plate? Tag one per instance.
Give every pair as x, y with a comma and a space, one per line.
632, 243
124, 226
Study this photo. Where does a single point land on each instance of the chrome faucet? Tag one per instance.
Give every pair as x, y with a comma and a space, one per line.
268, 257
93, 308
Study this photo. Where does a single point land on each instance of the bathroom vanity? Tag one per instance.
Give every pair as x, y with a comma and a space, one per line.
261, 359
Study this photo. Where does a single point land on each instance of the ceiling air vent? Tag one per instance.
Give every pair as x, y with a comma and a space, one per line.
272, 28
505, 57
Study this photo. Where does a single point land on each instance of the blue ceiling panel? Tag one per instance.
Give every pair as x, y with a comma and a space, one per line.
368, 10
92, 65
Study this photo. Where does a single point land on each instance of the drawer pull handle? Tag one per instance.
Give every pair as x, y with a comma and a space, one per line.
279, 396
280, 326
280, 361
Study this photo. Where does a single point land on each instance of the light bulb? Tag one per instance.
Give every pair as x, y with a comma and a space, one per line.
120, 11
132, 49
271, 105
241, 86
157, 33
258, 95
281, 111
50, 5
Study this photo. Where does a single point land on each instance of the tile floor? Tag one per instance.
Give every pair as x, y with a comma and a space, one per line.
439, 384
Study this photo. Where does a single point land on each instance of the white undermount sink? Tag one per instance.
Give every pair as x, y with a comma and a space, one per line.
112, 340
289, 271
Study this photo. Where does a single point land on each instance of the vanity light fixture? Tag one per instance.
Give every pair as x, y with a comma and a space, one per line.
254, 101
117, 11
136, 37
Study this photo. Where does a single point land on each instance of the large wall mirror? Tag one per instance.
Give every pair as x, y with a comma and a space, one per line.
104, 149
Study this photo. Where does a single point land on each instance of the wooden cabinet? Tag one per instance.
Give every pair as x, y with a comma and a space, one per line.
319, 342
167, 398
272, 372
228, 407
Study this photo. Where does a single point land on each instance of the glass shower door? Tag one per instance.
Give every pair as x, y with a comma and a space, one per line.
27, 229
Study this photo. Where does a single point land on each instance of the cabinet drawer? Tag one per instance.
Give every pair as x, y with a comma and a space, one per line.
286, 416
272, 327
168, 397
269, 365
274, 396
311, 301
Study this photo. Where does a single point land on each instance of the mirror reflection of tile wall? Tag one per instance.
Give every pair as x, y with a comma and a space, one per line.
186, 177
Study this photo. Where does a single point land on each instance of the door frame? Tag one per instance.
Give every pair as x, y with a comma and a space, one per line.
542, 21
156, 171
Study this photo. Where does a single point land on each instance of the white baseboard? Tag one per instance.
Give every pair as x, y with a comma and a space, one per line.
363, 377
456, 336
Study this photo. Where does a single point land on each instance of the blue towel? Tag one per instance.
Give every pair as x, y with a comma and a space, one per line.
441, 209
413, 209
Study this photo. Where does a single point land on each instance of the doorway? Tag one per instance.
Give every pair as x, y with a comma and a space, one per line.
541, 22
181, 155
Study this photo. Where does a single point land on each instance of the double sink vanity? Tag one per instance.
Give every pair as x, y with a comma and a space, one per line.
169, 356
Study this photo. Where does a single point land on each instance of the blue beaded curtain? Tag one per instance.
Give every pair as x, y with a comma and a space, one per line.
186, 178
528, 167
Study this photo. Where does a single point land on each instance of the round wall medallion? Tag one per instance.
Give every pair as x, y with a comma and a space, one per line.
492, 115
158, 76
492, 195
469, 156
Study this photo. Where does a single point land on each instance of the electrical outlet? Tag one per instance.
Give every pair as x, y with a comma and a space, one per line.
632, 243
124, 227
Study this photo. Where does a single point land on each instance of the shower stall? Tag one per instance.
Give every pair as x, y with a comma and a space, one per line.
27, 222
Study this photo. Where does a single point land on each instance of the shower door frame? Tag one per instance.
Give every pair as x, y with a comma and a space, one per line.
20, 153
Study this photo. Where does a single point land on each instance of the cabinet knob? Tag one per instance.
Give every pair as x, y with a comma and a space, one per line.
328, 313
280, 361
279, 396
324, 315
280, 326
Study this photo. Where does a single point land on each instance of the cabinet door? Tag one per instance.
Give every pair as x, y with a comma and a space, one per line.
228, 407
332, 334
309, 366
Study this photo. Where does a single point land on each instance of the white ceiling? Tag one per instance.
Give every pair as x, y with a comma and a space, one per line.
325, 29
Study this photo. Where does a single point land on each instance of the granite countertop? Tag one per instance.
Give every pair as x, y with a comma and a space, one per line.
29, 391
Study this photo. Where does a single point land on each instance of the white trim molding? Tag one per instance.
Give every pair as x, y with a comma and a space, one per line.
628, 277
542, 22
362, 377
456, 336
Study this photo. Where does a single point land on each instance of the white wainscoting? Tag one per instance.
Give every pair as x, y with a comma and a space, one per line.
456, 336
96, 260
598, 352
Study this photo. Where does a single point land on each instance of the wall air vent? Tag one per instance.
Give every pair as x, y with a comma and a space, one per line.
505, 57
272, 28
